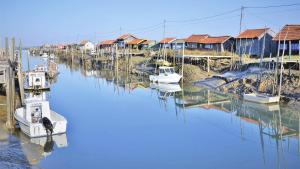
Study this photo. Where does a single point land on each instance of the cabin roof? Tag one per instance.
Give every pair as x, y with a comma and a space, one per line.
107, 42
288, 32
196, 38
83, 42
252, 33
215, 40
125, 36
167, 40
136, 41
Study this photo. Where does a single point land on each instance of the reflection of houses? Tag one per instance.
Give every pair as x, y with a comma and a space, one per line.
251, 42
291, 33
204, 99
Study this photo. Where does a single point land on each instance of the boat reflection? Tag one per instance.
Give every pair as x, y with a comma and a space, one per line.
38, 148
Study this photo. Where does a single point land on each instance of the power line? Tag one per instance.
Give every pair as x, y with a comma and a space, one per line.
272, 6
207, 17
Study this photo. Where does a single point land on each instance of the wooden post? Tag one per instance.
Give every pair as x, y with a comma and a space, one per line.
290, 49
20, 75
208, 66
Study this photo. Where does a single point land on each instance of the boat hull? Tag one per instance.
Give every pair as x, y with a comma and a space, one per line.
37, 129
263, 99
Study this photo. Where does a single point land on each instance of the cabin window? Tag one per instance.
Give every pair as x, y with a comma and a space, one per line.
172, 70
161, 71
36, 113
295, 46
37, 80
167, 70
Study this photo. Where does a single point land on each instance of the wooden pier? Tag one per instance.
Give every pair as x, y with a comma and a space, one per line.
10, 77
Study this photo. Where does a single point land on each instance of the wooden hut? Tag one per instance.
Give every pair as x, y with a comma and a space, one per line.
291, 33
167, 43
124, 39
218, 43
107, 45
135, 44
194, 41
251, 42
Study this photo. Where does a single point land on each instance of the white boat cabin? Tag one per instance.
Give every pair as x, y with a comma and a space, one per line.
36, 80
166, 75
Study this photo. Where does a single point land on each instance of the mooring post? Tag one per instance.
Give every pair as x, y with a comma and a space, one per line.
20, 74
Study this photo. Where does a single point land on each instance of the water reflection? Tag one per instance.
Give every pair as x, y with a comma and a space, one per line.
277, 125
120, 120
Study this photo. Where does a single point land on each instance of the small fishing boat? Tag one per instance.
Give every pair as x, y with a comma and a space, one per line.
36, 81
166, 75
52, 56
45, 55
261, 98
31, 119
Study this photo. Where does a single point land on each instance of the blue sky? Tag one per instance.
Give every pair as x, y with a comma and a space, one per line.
61, 21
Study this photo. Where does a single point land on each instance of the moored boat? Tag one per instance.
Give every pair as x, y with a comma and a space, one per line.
30, 118
166, 75
261, 98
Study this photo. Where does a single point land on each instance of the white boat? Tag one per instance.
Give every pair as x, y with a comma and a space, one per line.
30, 117
36, 81
45, 55
261, 98
166, 75
52, 56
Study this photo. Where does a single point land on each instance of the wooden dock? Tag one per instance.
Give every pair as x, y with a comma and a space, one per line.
10, 77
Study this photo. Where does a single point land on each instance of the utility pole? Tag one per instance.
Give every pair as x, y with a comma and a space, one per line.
241, 22
164, 36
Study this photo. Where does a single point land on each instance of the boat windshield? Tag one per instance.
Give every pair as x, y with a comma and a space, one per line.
172, 70
161, 71
168, 71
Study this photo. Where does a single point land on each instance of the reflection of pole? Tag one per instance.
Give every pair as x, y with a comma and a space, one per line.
262, 140
182, 63
298, 133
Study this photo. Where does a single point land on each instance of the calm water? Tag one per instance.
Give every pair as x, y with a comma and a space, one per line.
135, 126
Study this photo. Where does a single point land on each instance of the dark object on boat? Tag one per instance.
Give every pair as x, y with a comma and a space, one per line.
48, 147
47, 124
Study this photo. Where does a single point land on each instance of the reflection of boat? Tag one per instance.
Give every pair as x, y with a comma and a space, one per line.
261, 98
36, 149
36, 81
30, 118
52, 69
263, 107
40, 68
36, 96
59, 139
166, 75
163, 87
